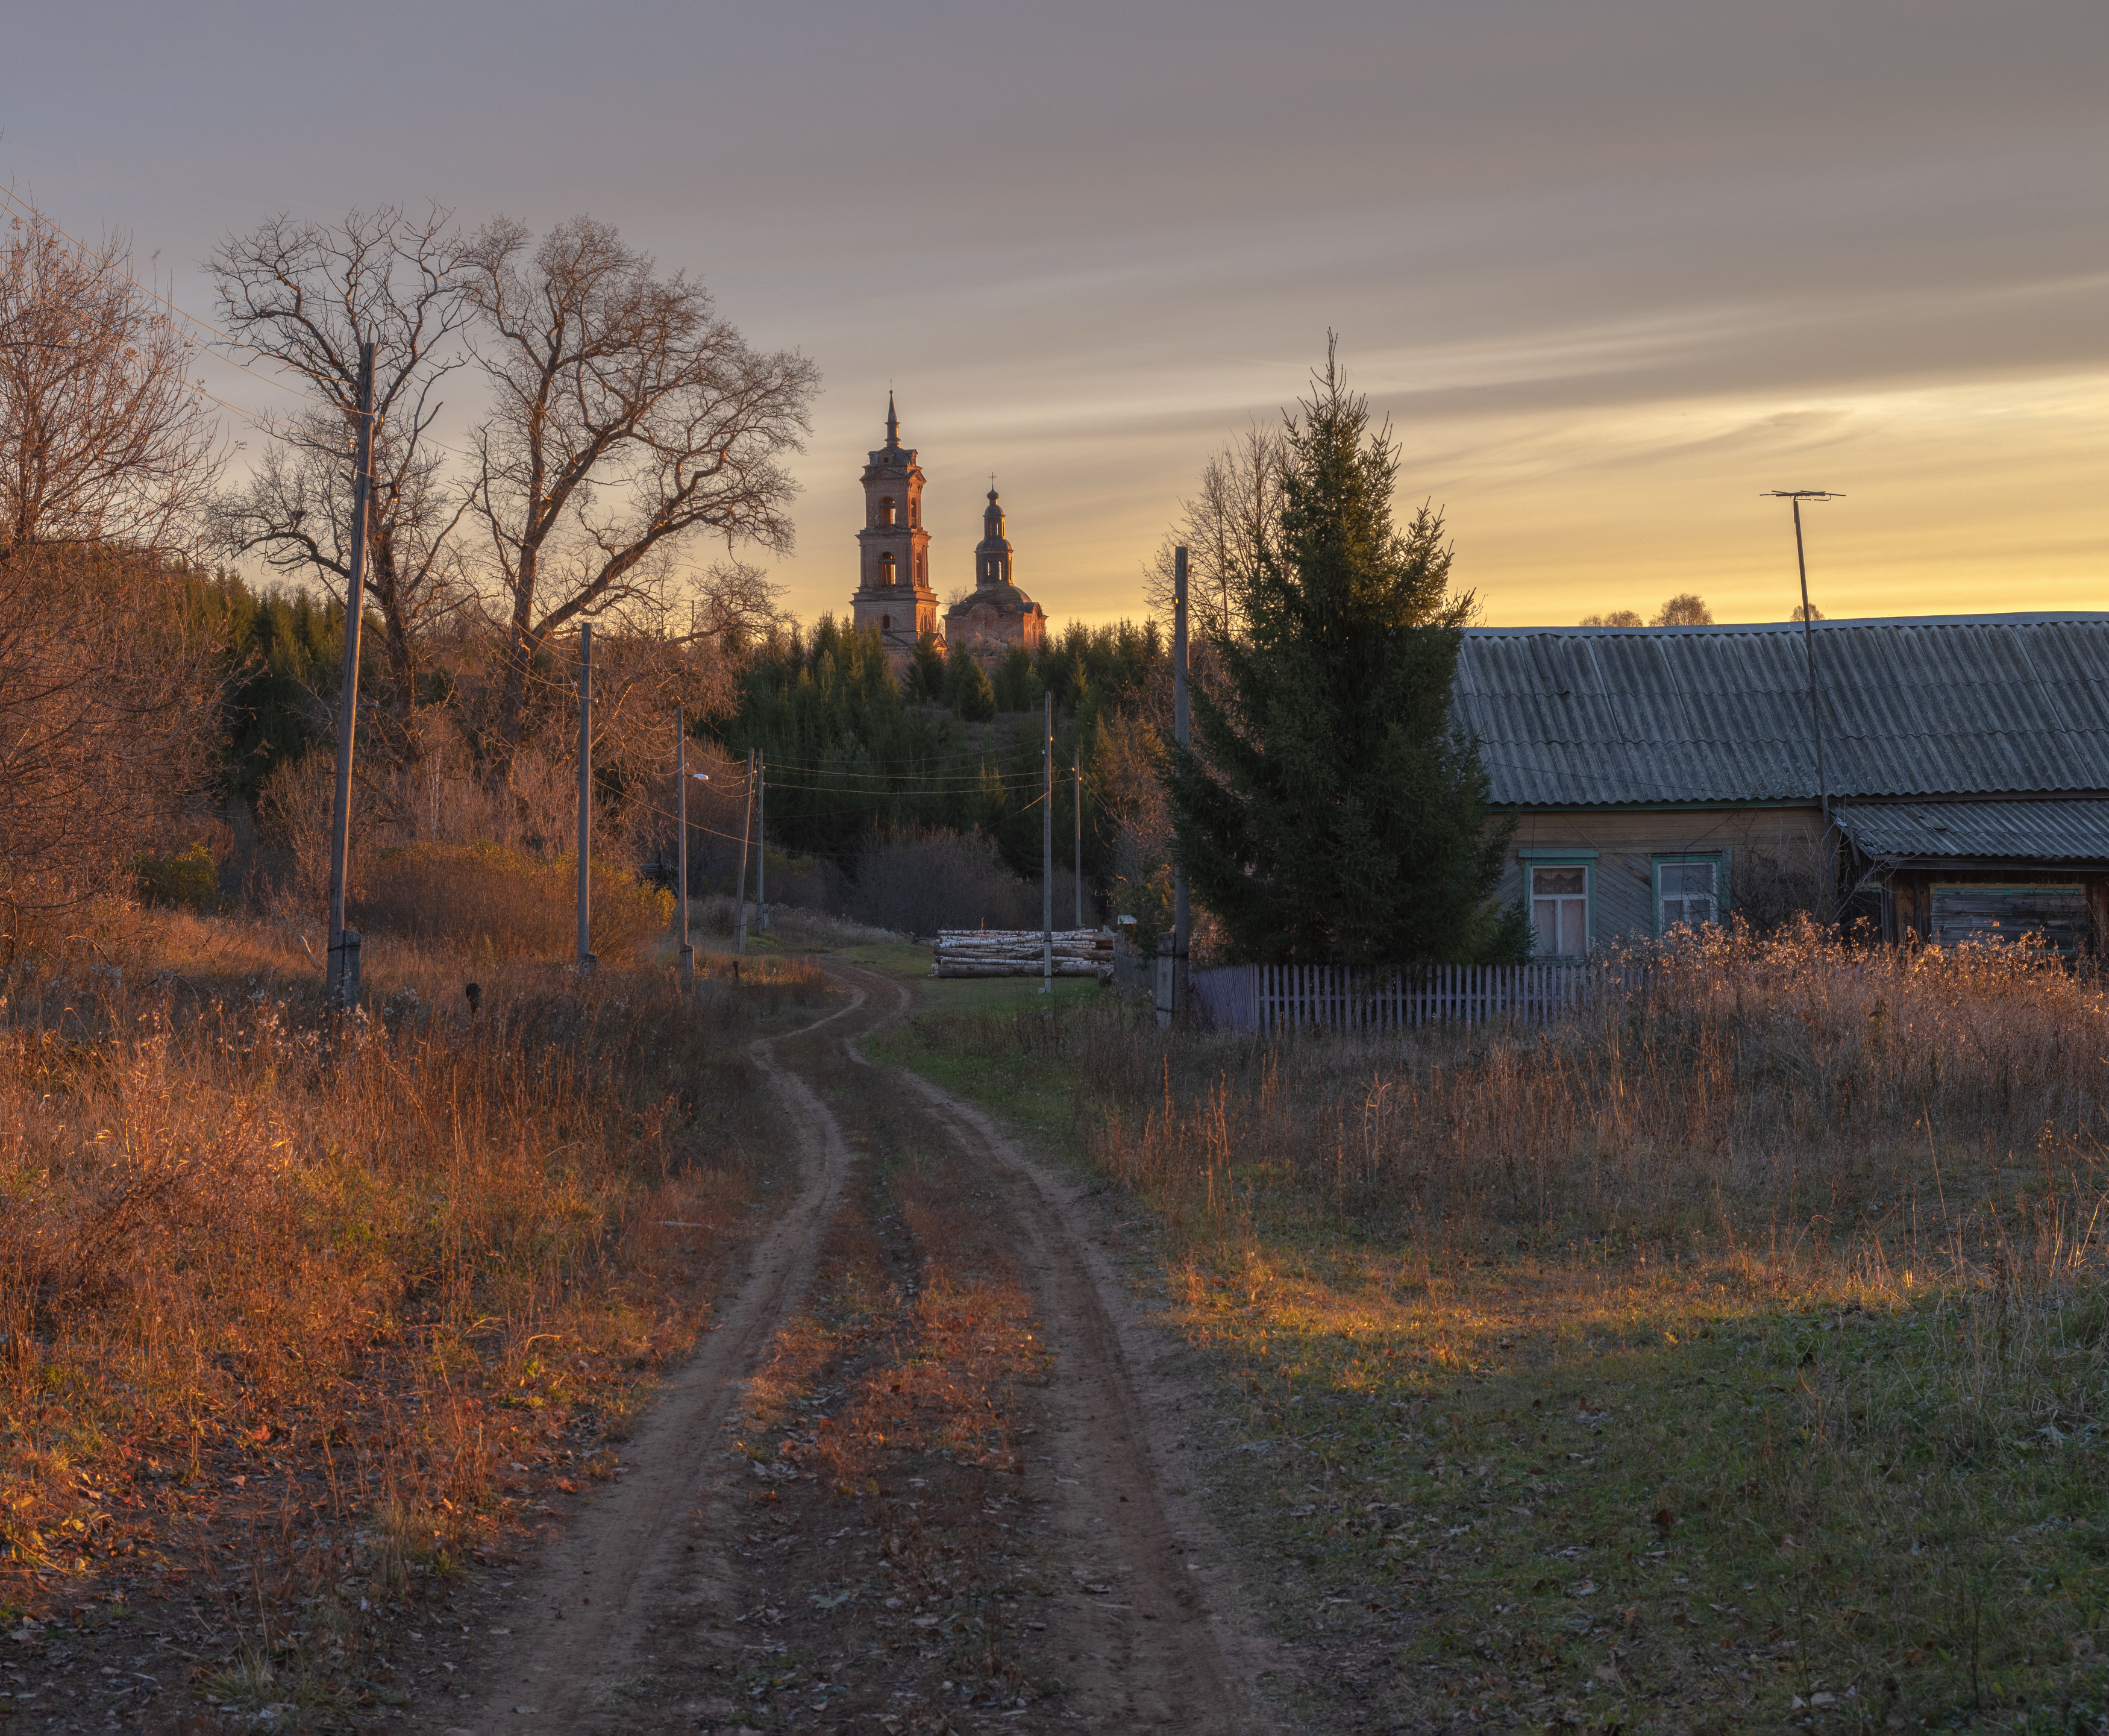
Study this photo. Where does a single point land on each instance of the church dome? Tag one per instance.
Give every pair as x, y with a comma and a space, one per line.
993, 540
1006, 599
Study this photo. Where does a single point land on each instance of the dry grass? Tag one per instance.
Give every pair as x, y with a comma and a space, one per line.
1764, 1093
298, 1309
505, 904
1737, 1346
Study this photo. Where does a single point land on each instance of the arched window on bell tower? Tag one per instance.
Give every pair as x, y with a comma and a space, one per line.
886, 568
886, 510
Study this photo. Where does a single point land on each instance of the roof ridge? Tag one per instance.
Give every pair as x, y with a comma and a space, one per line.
2026, 618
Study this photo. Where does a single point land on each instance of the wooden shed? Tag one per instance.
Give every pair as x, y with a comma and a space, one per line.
1664, 775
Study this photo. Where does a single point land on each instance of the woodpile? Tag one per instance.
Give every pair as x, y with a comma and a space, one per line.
1004, 953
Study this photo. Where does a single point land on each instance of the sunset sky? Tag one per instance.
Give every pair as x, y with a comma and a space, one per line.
1611, 269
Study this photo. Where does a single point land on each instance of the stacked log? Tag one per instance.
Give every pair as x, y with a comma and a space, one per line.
1003, 953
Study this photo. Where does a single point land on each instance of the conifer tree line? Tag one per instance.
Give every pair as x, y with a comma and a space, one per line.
626, 462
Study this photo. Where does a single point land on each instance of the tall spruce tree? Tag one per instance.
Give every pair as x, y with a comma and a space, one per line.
1334, 813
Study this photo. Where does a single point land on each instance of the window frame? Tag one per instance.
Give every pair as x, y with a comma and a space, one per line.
1672, 858
1585, 860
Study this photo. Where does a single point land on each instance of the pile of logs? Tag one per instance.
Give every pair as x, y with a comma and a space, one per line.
1000, 952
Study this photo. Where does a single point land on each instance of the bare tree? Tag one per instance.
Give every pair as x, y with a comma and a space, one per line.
107, 713
1222, 527
103, 438
307, 294
1686, 609
627, 416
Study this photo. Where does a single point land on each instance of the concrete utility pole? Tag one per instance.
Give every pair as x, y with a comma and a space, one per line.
586, 959
1797, 495
761, 842
746, 829
1076, 768
1172, 982
688, 953
1047, 850
341, 980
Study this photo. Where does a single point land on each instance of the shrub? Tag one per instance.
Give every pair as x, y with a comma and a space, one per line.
189, 880
917, 883
508, 903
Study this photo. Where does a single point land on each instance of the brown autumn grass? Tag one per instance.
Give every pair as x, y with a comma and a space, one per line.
485, 898
296, 1310
1736, 1355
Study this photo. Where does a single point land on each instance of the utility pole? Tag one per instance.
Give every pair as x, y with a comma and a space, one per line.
1797, 495
745, 828
1076, 770
1047, 849
1171, 983
761, 841
688, 953
586, 959
340, 981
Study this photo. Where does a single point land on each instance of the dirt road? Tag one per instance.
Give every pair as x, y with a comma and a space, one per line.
923, 1475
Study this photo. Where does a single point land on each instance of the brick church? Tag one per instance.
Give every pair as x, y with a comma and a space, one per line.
893, 594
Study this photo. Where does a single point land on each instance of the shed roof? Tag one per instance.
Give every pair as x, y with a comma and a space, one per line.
2030, 831
1931, 706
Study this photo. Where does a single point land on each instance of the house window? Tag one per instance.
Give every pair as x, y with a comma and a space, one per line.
1688, 892
1560, 911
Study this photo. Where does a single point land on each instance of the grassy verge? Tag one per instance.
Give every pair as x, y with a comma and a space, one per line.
1736, 1362
297, 1314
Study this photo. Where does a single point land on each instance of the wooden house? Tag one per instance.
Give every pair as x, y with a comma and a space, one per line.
1664, 775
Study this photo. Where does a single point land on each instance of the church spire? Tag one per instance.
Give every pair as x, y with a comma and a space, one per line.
892, 424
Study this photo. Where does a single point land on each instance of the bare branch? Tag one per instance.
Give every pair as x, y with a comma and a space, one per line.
103, 438
307, 294
627, 417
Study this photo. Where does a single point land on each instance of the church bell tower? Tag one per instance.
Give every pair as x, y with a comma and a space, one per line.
893, 591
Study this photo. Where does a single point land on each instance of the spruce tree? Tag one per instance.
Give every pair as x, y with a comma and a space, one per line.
1333, 812
967, 687
926, 673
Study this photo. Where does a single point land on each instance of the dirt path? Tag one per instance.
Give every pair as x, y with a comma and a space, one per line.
914, 1481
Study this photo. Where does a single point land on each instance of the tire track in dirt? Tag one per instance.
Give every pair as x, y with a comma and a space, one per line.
1145, 1624
1192, 1661
582, 1609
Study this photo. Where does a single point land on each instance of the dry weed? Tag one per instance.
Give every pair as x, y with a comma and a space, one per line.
298, 1310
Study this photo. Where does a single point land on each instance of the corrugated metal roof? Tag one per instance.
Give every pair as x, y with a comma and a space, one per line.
2013, 831
1950, 705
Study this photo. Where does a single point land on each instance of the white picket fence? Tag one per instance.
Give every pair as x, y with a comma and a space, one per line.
1271, 998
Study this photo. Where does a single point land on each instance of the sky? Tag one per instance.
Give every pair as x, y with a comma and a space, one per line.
1609, 270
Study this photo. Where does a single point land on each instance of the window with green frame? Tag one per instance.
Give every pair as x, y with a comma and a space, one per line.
1690, 890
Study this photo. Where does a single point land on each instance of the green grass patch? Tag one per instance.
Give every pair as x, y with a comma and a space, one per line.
1605, 1484
895, 958
997, 1041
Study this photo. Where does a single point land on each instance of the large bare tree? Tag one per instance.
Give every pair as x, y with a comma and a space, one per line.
104, 439
1223, 526
627, 417
306, 294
